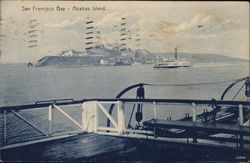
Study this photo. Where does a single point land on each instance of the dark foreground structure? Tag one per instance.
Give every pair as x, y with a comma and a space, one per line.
69, 130
127, 129
92, 147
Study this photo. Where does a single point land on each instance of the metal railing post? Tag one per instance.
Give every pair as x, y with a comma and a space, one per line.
194, 120
241, 123
248, 99
120, 112
96, 117
194, 111
50, 119
241, 114
83, 116
249, 116
4, 126
154, 110
155, 136
88, 116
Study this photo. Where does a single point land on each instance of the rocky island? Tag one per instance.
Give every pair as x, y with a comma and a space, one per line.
110, 55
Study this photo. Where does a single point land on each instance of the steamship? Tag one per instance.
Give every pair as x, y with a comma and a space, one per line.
171, 62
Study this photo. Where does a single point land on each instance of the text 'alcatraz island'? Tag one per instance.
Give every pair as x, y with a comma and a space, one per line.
64, 9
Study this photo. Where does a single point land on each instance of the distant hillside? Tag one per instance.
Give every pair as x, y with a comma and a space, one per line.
111, 55
204, 58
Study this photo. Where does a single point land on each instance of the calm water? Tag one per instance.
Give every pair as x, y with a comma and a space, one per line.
22, 85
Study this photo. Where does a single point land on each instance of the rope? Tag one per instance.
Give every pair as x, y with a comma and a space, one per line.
230, 86
190, 84
238, 91
130, 118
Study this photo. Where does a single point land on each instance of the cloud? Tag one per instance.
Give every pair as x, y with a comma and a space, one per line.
110, 18
206, 24
164, 30
200, 33
198, 26
67, 24
107, 21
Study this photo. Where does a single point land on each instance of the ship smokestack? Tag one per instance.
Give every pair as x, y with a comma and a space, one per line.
175, 53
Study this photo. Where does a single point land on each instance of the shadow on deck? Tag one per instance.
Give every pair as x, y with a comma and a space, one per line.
93, 147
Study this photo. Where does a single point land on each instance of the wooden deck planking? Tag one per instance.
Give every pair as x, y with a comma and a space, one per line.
72, 148
93, 147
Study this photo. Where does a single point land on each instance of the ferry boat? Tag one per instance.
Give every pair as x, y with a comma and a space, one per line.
162, 62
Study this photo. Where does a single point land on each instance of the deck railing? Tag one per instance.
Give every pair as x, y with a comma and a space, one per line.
45, 120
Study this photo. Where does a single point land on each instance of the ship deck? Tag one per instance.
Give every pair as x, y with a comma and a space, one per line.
94, 147
46, 131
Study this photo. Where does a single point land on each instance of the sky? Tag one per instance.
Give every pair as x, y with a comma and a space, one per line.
194, 27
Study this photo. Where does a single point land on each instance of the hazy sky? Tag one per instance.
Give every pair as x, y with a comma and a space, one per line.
194, 27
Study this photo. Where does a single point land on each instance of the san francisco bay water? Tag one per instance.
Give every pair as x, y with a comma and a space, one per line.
22, 85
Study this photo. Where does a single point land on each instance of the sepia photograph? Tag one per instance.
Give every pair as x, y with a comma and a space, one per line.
124, 81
